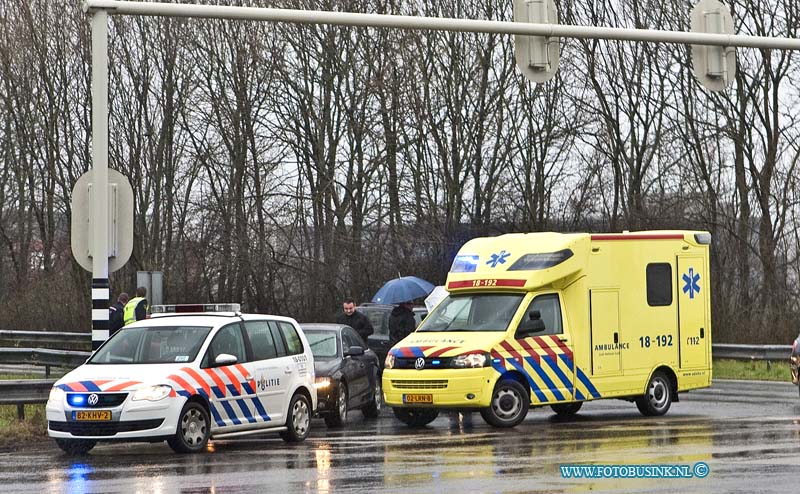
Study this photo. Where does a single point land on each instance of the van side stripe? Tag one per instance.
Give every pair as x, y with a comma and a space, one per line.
586, 382
215, 377
229, 410
234, 381
199, 379
216, 415
548, 382
525, 345
560, 344
182, 383
260, 409
511, 350
554, 365
518, 366
246, 413
545, 345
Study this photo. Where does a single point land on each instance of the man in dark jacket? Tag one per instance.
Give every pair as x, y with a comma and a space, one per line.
401, 322
116, 317
356, 320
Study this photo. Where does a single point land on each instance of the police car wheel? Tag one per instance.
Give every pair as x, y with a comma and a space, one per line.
298, 419
509, 406
75, 446
339, 415
566, 409
658, 396
416, 417
373, 409
194, 429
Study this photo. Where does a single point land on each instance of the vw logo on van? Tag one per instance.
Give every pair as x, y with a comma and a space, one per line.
93, 399
419, 364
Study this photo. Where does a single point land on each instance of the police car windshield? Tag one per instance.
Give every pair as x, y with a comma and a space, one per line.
153, 345
323, 344
478, 312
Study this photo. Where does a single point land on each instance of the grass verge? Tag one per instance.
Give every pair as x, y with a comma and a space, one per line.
752, 370
15, 433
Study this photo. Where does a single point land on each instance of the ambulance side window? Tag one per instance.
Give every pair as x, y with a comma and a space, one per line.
659, 284
550, 309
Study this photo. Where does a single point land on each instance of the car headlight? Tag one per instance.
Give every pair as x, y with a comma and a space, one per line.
471, 360
389, 362
322, 382
152, 393
56, 395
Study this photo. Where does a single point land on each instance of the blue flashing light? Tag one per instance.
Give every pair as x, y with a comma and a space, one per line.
76, 400
436, 362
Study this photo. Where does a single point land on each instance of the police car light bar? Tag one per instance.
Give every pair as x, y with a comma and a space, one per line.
181, 308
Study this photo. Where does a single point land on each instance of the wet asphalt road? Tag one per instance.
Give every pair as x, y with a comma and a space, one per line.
747, 433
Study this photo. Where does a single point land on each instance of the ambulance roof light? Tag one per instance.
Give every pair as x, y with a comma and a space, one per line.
703, 238
189, 308
544, 260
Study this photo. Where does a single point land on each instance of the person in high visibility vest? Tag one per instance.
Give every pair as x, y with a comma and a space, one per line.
136, 308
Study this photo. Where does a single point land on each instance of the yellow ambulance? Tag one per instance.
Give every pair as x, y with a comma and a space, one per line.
557, 319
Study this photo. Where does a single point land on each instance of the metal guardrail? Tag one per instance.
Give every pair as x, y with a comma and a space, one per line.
43, 357
751, 352
25, 391
44, 339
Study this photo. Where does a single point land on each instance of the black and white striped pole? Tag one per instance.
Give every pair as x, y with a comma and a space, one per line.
102, 199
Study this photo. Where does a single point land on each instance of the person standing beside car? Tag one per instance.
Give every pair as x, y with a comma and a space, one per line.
136, 308
355, 319
401, 322
116, 314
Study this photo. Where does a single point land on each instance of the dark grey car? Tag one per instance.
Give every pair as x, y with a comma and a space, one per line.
347, 373
378, 315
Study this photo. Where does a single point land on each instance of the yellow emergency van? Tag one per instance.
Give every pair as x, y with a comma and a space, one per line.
557, 319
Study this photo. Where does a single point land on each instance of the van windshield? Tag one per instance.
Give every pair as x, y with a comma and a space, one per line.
477, 312
154, 345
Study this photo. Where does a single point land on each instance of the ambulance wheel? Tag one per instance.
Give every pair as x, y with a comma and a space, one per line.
509, 404
373, 409
339, 415
416, 417
194, 429
75, 447
566, 409
298, 419
658, 396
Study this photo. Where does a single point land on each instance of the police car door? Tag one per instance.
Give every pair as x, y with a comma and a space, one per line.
230, 392
268, 373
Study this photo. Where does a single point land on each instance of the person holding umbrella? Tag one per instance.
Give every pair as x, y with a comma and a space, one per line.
401, 322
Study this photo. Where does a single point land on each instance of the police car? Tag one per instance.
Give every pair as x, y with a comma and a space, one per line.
185, 378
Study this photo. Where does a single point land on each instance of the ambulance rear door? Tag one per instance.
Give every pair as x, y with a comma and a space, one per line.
692, 296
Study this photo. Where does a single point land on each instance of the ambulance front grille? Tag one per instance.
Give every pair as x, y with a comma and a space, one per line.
419, 384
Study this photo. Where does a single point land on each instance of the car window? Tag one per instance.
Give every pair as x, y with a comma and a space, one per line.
152, 345
550, 310
378, 319
323, 344
227, 340
261, 340
350, 338
293, 344
277, 337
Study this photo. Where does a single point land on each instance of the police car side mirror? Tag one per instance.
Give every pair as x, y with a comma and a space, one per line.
354, 351
225, 359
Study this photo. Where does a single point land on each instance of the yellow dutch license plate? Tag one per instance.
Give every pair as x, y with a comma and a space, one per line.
418, 398
93, 415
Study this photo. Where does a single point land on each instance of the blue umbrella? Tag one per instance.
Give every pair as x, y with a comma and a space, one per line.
402, 289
